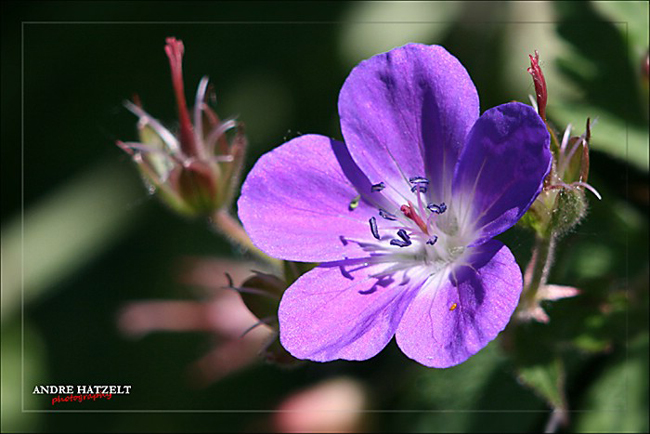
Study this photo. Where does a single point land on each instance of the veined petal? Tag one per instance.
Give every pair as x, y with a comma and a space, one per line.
501, 169
406, 113
341, 312
453, 317
295, 202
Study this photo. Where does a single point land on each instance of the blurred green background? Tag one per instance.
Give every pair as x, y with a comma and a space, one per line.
94, 239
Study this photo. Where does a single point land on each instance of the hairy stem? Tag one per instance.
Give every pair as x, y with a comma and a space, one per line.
536, 274
227, 225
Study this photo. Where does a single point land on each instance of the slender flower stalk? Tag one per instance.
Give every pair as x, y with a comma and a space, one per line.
535, 277
223, 222
558, 209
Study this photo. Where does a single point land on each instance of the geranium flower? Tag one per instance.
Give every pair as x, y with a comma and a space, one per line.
402, 216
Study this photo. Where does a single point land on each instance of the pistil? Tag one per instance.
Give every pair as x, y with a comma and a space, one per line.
174, 50
410, 212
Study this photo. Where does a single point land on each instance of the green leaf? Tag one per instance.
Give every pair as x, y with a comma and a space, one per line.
610, 133
635, 16
618, 400
470, 397
546, 380
94, 207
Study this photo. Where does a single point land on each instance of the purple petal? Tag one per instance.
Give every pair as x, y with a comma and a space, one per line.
295, 202
337, 312
451, 319
502, 168
406, 113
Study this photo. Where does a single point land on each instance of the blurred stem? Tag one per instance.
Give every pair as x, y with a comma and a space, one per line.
227, 225
538, 268
559, 418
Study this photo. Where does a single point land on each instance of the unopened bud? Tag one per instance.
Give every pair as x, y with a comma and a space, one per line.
261, 294
570, 208
197, 185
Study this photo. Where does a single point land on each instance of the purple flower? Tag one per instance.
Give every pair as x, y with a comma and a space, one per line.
402, 216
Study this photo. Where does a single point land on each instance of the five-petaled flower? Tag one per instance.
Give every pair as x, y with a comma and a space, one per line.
402, 216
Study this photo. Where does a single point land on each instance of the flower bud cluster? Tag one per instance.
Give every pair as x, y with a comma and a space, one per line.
195, 170
562, 204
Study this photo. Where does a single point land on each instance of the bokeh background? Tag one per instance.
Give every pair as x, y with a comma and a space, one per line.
82, 238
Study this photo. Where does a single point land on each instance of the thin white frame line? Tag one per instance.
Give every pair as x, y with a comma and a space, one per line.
22, 202
292, 22
22, 217
321, 411
627, 241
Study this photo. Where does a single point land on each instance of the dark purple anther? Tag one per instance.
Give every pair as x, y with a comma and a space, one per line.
385, 214
437, 209
373, 227
400, 243
378, 187
403, 235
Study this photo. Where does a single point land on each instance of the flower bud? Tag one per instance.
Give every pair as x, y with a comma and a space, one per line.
261, 294
197, 185
194, 171
570, 208
562, 203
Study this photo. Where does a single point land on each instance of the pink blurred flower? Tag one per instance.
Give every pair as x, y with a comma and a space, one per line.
335, 405
240, 335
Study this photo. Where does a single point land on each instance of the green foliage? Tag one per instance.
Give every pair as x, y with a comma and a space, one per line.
546, 379
607, 75
617, 400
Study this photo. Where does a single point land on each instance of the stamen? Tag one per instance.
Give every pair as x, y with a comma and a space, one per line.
373, 227
385, 214
354, 202
403, 235
378, 187
431, 241
437, 209
400, 243
418, 180
419, 184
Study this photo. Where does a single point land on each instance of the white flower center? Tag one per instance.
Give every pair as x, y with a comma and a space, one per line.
418, 234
